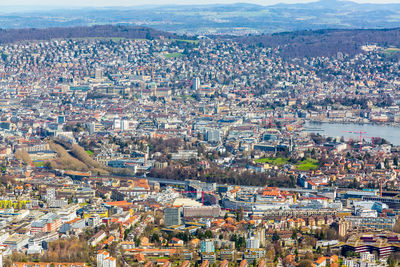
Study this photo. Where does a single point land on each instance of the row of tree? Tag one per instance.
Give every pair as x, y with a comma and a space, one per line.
223, 176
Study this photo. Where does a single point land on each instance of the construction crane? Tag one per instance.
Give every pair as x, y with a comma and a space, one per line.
119, 109
296, 127
271, 119
121, 230
357, 132
288, 119
373, 138
40, 127
382, 182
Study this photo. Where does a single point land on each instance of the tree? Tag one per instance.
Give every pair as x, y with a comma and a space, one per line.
155, 238
306, 263
233, 238
396, 226
378, 166
4, 57
328, 250
387, 165
308, 256
391, 262
332, 234
23, 156
393, 259
240, 241
270, 252
294, 235
208, 234
278, 248
137, 242
275, 236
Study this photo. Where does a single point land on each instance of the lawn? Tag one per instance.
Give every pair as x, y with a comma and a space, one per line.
115, 39
38, 164
305, 165
308, 164
173, 55
273, 161
391, 50
186, 41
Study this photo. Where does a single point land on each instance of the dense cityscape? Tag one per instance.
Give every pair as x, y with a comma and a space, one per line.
197, 152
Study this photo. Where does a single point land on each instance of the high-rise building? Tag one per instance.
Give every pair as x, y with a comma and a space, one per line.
105, 260
101, 255
207, 246
61, 119
91, 127
172, 216
110, 262
344, 227
98, 74
196, 84
252, 242
94, 127
117, 124
260, 235
50, 194
213, 136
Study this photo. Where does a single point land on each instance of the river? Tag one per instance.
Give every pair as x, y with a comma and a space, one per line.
387, 132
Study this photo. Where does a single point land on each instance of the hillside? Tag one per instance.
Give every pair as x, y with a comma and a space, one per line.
324, 42
107, 31
289, 44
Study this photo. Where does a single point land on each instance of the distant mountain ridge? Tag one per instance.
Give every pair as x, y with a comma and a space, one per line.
238, 19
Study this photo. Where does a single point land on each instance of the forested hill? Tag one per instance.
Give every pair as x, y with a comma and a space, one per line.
324, 42
290, 44
107, 31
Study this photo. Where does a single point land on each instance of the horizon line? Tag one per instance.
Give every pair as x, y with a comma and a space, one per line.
52, 6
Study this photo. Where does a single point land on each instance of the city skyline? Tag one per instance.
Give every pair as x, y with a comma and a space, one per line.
199, 133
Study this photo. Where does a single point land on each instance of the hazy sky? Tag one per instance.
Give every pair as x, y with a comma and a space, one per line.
98, 3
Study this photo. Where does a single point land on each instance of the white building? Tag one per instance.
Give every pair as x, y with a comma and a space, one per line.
252, 242
110, 262
105, 260
207, 246
98, 74
117, 124
366, 256
196, 83
50, 194
101, 256
213, 136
